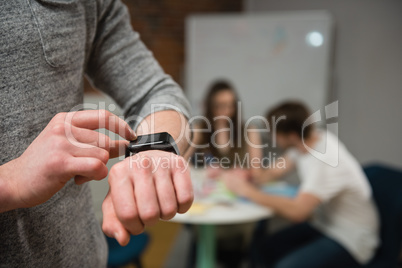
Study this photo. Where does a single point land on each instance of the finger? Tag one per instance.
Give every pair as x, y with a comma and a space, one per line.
92, 168
81, 179
94, 152
95, 119
124, 201
166, 194
85, 138
111, 225
90, 137
145, 193
182, 185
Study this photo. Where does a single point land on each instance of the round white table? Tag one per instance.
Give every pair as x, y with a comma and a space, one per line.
214, 213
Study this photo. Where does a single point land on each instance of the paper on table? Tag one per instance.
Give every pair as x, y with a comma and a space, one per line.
198, 208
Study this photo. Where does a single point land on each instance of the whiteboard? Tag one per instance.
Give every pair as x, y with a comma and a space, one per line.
268, 57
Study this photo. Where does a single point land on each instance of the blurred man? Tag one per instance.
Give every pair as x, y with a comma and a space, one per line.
337, 222
46, 48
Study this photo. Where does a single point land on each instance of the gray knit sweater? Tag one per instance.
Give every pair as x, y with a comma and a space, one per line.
46, 47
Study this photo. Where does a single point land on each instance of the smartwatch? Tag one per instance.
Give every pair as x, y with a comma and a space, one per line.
157, 141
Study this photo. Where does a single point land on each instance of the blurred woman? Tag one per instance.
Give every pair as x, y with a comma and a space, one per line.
222, 148
219, 139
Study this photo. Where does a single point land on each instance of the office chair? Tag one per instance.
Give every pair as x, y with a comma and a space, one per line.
130, 254
386, 185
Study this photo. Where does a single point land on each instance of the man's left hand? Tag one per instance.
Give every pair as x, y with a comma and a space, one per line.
144, 188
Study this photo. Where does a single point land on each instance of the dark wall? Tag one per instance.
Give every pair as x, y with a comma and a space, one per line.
161, 24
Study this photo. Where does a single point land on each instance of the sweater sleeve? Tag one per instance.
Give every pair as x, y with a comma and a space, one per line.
121, 66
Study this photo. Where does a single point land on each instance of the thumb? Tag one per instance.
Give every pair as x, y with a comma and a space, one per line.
117, 148
111, 225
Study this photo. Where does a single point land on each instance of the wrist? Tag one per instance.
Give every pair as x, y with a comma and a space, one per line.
7, 193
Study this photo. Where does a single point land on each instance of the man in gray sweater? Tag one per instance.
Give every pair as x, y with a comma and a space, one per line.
48, 152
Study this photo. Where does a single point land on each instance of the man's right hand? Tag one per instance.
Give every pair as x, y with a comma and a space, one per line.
68, 147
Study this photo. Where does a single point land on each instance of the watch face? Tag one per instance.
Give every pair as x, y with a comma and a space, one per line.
157, 141
153, 138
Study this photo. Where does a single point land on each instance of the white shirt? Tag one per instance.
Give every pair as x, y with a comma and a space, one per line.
347, 213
